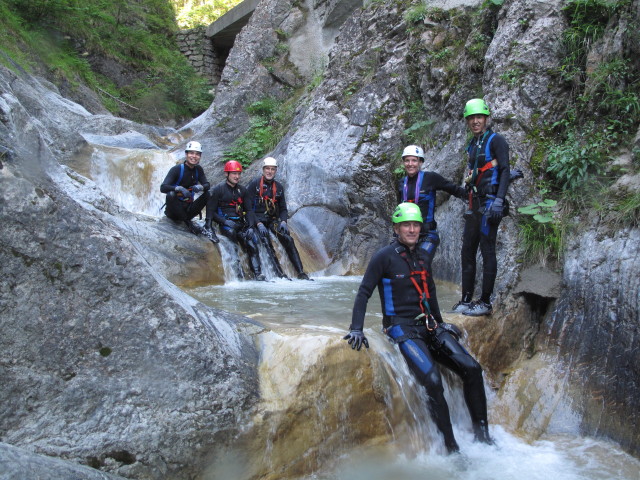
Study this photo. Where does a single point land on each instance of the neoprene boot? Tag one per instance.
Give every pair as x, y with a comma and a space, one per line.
208, 231
481, 432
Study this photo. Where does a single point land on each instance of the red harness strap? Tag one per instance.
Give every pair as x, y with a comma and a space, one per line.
423, 292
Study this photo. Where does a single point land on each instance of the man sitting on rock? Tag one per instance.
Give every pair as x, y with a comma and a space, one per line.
183, 182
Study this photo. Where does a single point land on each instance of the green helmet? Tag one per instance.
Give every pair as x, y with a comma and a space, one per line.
475, 106
407, 212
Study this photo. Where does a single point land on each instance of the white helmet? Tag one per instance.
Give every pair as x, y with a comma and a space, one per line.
193, 147
269, 162
414, 151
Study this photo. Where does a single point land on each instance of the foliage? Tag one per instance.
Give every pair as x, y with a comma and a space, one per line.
420, 125
541, 231
269, 120
416, 13
194, 13
139, 36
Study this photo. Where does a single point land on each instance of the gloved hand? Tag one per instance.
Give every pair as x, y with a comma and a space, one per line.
452, 329
250, 234
263, 230
231, 224
182, 191
356, 339
283, 228
197, 188
494, 215
515, 174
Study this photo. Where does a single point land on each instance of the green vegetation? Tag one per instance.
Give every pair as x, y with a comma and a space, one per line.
193, 13
541, 232
574, 155
70, 40
269, 121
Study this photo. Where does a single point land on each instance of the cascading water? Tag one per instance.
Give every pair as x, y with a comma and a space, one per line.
329, 412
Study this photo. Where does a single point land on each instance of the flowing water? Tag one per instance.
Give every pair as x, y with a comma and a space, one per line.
304, 317
328, 412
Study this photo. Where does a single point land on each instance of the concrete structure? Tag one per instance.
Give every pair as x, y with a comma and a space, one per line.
223, 31
207, 48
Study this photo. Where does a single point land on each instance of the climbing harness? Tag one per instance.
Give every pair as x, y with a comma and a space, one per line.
405, 189
423, 290
269, 202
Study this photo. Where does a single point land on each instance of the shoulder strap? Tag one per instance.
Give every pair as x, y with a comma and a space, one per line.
181, 175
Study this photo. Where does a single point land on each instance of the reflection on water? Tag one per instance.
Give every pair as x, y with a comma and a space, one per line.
301, 314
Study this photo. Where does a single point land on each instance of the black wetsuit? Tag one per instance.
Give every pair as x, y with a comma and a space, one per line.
421, 189
390, 270
267, 202
229, 203
484, 188
179, 207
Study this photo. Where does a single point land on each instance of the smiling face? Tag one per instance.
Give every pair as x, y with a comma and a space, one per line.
193, 158
408, 233
412, 165
477, 124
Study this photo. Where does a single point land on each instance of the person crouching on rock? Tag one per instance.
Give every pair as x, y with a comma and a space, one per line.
183, 182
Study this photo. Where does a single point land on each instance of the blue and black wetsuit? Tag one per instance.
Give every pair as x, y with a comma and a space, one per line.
266, 199
228, 202
487, 184
178, 207
421, 189
391, 270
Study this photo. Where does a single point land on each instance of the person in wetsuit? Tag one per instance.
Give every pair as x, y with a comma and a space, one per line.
420, 187
227, 207
412, 319
183, 182
269, 206
487, 184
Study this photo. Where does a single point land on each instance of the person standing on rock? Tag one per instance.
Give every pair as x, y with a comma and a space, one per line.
183, 182
420, 187
487, 184
227, 207
412, 320
269, 206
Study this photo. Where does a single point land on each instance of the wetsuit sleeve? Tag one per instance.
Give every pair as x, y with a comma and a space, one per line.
373, 275
212, 205
282, 205
250, 215
168, 184
251, 195
445, 185
433, 300
399, 188
202, 178
500, 151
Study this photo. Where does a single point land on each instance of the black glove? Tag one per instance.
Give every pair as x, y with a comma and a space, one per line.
284, 229
356, 339
182, 191
515, 174
197, 188
494, 215
452, 329
231, 224
263, 230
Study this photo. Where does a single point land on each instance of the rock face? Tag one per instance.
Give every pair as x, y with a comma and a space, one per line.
102, 360
105, 362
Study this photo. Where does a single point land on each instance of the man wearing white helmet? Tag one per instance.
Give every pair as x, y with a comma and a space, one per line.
183, 182
269, 207
420, 187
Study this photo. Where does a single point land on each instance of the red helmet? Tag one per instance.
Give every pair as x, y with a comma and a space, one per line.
232, 166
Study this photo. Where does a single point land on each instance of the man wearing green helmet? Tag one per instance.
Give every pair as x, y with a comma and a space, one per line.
412, 320
487, 184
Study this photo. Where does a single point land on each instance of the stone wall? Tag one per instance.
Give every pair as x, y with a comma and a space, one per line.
201, 53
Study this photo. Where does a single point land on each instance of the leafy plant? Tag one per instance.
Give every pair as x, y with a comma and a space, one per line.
269, 120
541, 232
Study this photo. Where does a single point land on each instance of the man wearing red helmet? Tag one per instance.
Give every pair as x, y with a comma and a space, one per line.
183, 182
227, 207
